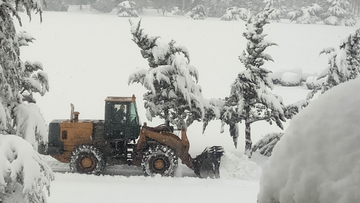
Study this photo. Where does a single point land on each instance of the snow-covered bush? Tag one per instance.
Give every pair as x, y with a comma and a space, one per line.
176, 11
218, 7
56, 5
338, 13
171, 81
127, 9
290, 79
235, 13
105, 6
197, 13
266, 144
24, 176
277, 75
317, 159
306, 15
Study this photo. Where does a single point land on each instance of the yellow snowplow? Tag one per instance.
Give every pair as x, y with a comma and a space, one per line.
89, 145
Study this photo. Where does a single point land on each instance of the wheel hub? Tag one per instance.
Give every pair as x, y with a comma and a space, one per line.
159, 164
86, 162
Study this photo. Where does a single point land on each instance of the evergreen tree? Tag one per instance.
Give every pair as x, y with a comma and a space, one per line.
23, 175
197, 10
343, 63
19, 80
235, 13
306, 15
171, 82
338, 13
250, 98
127, 9
218, 7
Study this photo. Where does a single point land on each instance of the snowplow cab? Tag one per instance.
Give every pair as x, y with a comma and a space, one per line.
121, 118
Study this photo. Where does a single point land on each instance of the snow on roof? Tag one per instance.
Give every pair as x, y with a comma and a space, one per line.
120, 99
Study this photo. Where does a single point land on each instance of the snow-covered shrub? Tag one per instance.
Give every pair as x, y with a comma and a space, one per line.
290, 79
306, 15
176, 11
56, 5
317, 159
105, 6
218, 7
266, 144
235, 13
127, 9
24, 176
197, 13
338, 13
173, 92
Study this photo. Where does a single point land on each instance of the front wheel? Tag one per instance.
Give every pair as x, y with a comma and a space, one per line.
87, 159
159, 159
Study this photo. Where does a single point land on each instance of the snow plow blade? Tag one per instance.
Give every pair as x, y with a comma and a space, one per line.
207, 164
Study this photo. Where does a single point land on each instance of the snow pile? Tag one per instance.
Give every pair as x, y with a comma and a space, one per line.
317, 160
233, 167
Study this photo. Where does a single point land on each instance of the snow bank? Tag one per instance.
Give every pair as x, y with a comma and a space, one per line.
233, 167
317, 160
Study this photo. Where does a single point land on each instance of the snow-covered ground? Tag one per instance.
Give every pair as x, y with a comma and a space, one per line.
89, 56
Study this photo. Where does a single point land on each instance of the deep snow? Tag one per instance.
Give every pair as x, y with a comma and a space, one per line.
317, 159
89, 56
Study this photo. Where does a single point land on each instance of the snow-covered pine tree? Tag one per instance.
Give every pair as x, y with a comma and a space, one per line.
217, 7
250, 97
306, 15
127, 9
338, 13
171, 82
235, 13
266, 144
19, 80
343, 63
197, 13
23, 175
197, 10
277, 12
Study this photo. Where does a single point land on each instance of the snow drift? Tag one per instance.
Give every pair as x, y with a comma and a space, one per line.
317, 160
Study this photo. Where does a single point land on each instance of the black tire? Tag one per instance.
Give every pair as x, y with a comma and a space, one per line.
159, 159
87, 159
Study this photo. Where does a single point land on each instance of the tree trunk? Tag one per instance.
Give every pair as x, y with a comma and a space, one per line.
248, 142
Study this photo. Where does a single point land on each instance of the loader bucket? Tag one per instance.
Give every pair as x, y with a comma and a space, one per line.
207, 164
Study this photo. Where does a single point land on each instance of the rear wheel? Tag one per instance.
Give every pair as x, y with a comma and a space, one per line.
87, 159
159, 159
